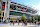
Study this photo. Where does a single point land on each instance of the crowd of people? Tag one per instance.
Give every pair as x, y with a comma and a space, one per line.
24, 22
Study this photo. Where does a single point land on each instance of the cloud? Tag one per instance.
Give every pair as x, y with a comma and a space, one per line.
37, 7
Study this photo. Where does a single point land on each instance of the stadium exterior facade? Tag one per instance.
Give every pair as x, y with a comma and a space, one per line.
14, 11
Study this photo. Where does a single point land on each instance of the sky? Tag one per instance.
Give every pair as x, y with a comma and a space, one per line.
35, 4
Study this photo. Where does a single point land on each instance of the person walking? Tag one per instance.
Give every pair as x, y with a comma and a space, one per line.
25, 22
11, 22
35, 21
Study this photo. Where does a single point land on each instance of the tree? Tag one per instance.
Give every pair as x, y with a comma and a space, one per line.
38, 17
32, 17
35, 18
0, 13
23, 18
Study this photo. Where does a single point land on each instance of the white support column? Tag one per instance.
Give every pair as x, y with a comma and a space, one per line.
5, 13
8, 9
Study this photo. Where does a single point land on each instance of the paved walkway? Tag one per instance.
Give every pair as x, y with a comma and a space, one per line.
16, 24
8, 25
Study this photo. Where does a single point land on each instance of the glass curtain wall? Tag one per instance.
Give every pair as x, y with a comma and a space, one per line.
18, 13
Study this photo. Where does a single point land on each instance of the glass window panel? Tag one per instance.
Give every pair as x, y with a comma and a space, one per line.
18, 13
